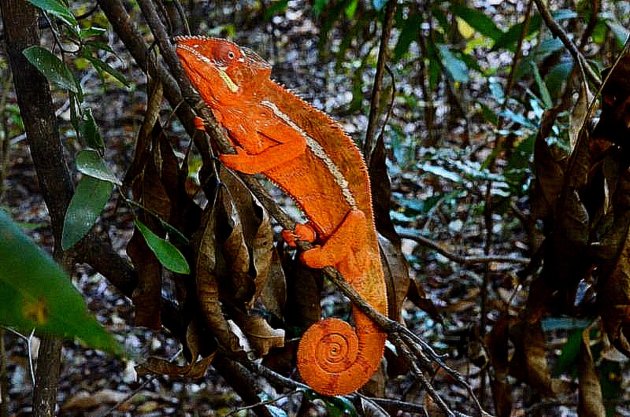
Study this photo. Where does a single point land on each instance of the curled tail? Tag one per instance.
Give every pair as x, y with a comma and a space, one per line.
336, 359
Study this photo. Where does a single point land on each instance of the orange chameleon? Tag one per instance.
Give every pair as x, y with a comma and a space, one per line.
307, 155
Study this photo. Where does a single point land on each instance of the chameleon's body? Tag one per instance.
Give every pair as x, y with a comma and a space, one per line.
308, 155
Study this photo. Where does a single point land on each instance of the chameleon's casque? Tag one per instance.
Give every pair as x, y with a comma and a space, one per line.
308, 155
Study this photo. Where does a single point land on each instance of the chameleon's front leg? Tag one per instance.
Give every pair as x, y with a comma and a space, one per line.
280, 144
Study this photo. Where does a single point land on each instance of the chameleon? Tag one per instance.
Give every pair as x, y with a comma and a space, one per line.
307, 155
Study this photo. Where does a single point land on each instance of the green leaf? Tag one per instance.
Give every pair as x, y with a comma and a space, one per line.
53, 68
275, 8
169, 256
318, 6
88, 201
569, 354
351, 8
509, 39
89, 130
90, 32
103, 67
455, 66
478, 21
542, 87
90, 163
335, 406
56, 8
410, 32
379, 4
36, 293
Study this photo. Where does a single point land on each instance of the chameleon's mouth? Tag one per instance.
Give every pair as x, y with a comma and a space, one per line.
221, 70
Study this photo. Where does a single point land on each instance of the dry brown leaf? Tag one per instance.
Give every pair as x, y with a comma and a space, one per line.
204, 245
160, 366
529, 362
579, 113
274, 293
615, 311
262, 337
84, 400
498, 351
371, 409
146, 295
590, 393
396, 273
303, 294
235, 252
256, 230
549, 165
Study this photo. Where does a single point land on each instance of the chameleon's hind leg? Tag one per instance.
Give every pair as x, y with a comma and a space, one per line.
350, 235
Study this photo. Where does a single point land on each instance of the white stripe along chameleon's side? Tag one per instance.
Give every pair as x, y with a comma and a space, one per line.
319, 152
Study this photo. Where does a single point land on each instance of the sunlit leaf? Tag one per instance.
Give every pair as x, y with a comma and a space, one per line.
53, 68
351, 8
478, 20
168, 255
91, 163
56, 8
36, 293
88, 201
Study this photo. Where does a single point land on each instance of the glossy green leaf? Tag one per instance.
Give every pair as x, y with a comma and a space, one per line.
478, 21
89, 130
335, 406
57, 9
88, 201
455, 66
53, 68
36, 293
91, 163
169, 256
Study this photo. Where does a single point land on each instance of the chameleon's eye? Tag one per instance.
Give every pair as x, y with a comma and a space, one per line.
231, 55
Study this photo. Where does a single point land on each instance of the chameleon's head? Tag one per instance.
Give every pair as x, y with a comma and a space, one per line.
220, 70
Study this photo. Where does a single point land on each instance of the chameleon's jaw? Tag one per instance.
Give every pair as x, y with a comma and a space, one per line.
188, 52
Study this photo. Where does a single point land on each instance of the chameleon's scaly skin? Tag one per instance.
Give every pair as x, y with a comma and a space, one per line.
308, 155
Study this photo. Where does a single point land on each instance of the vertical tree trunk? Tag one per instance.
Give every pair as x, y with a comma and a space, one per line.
36, 108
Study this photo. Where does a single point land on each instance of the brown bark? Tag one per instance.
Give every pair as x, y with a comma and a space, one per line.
36, 108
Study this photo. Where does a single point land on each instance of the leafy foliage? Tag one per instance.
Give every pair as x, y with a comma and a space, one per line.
36, 294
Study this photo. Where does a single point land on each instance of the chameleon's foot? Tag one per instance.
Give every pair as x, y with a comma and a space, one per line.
199, 123
302, 232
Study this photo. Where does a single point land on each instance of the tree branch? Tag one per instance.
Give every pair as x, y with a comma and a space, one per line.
557, 31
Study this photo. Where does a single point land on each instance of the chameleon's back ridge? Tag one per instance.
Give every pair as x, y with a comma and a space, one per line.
307, 154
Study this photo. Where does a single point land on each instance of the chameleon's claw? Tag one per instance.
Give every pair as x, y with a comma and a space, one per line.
199, 123
302, 232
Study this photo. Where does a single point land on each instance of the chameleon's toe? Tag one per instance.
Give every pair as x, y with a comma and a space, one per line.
199, 123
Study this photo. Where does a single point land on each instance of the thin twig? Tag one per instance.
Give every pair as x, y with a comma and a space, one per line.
370, 137
464, 260
557, 30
